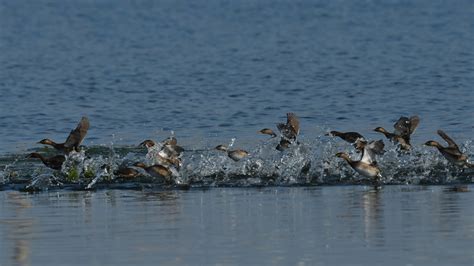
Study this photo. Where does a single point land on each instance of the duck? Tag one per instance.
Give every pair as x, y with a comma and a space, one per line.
235, 155
169, 161
268, 131
156, 170
171, 144
169, 153
73, 140
169, 147
404, 128
350, 137
126, 172
148, 143
289, 131
452, 152
369, 170
54, 162
283, 144
458, 188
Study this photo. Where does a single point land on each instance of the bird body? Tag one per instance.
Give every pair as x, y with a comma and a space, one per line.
361, 167
350, 137
126, 172
156, 170
55, 162
235, 155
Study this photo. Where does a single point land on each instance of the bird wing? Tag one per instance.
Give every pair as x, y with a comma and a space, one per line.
77, 135
170, 141
402, 126
376, 147
370, 151
450, 141
406, 126
414, 122
292, 127
293, 122
352, 137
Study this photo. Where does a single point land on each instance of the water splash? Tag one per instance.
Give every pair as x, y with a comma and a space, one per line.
310, 163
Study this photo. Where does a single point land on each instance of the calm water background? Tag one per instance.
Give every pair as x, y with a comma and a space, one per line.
227, 68
212, 70
398, 225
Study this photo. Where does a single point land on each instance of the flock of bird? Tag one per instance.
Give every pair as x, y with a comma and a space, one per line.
166, 155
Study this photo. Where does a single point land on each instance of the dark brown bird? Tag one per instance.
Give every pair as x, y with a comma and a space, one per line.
350, 137
156, 170
404, 127
235, 155
452, 153
289, 131
267, 131
73, 140
55, 162
126, 172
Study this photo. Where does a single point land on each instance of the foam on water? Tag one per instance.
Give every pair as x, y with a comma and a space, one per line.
312, 162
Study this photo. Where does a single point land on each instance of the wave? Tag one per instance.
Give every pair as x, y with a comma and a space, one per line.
307, 164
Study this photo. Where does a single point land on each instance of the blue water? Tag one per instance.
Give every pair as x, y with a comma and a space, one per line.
221, 69
211, 71
271, 226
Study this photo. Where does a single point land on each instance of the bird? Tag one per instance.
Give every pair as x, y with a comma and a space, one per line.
126, 172
54, 162
404, 128
267, 131
171, 145
289, 131
168, 148
148, 143
283, 144
350, 137
367, 165
235, 155
155, 170
363, 168
166, 153
73, 140
452, 152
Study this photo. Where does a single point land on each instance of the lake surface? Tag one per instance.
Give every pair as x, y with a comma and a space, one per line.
215, 72
356, 225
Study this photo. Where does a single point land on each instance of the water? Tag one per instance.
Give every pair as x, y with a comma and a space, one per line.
398, 225
213, 71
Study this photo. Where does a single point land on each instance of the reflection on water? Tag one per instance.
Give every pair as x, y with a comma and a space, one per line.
373, 217
282, 226
19, 228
